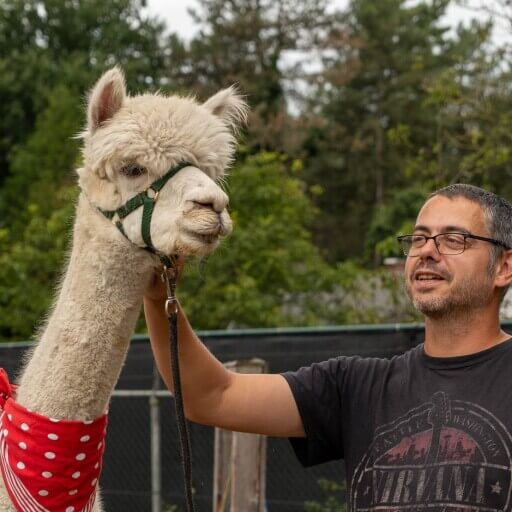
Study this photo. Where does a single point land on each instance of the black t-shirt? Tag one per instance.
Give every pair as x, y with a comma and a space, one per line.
416, 432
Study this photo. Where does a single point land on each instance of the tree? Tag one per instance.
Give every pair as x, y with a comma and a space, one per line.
472, 144
47, 43
38, 199
369, 116
29, 266
249, 42
50, 53
268, 273
44, 163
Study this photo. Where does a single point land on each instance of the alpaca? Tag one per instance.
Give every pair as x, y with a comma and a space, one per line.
128, 143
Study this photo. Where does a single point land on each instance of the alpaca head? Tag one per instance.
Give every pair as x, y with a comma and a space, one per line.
130, 142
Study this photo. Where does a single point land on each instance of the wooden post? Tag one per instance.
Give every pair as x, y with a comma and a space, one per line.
240, 461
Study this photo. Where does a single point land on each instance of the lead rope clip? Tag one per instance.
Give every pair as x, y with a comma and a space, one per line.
170, 276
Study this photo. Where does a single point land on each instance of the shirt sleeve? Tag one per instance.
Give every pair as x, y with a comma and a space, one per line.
318, 392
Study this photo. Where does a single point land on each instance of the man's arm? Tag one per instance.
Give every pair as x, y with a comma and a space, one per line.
213, 395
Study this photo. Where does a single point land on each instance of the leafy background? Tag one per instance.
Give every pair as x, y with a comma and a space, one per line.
335, 161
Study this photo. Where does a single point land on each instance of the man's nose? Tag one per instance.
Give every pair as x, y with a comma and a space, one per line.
429, 250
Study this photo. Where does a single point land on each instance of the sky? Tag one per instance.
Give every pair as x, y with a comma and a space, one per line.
177, 19
174, 12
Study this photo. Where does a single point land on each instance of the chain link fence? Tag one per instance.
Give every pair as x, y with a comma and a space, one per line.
142, 470
142, 466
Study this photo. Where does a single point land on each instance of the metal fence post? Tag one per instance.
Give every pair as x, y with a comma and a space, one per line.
240, 461
156, 454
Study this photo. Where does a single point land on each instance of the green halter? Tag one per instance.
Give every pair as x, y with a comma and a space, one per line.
148, 202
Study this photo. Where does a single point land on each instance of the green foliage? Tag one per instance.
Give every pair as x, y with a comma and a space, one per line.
30, 263
398, 108
267, 274
472, 143
45, 161
170, 508
369, 113
45, 44
334, 501
393, 217
249, 43
270, 274
268, 270
51, 51
37, 201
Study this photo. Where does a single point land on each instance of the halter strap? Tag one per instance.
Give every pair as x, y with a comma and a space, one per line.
147, 200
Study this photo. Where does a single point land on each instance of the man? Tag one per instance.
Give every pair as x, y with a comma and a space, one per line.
431, 428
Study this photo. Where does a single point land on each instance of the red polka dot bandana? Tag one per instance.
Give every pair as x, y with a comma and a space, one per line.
48, 465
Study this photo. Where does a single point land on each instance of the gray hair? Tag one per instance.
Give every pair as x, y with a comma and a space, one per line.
497, 214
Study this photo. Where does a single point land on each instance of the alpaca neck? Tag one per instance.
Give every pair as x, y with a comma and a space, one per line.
76, 364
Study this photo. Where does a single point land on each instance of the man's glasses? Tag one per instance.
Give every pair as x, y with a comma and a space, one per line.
446, 243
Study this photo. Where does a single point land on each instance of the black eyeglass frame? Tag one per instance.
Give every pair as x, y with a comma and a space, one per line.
465, 235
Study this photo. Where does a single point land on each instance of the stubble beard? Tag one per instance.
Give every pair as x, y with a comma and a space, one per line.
467, 296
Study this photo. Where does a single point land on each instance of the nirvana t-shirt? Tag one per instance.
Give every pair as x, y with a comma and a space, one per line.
416, 432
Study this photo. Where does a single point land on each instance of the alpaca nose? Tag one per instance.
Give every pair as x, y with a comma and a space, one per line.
203, 205
216, 203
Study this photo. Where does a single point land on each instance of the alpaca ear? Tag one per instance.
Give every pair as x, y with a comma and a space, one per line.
230, 106
105, 98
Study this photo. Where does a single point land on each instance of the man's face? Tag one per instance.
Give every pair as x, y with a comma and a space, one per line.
438, 284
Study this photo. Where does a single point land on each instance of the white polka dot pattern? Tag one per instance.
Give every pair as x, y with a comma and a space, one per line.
51, 464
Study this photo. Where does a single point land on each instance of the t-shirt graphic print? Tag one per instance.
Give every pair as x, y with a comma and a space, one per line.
446, 455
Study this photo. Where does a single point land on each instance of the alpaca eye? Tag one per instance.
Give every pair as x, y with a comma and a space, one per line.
133, 170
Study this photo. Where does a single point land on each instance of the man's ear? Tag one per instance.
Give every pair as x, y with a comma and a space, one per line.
229, 105
504, 270
105, 98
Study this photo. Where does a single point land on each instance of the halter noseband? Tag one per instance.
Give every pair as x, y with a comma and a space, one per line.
147, 199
